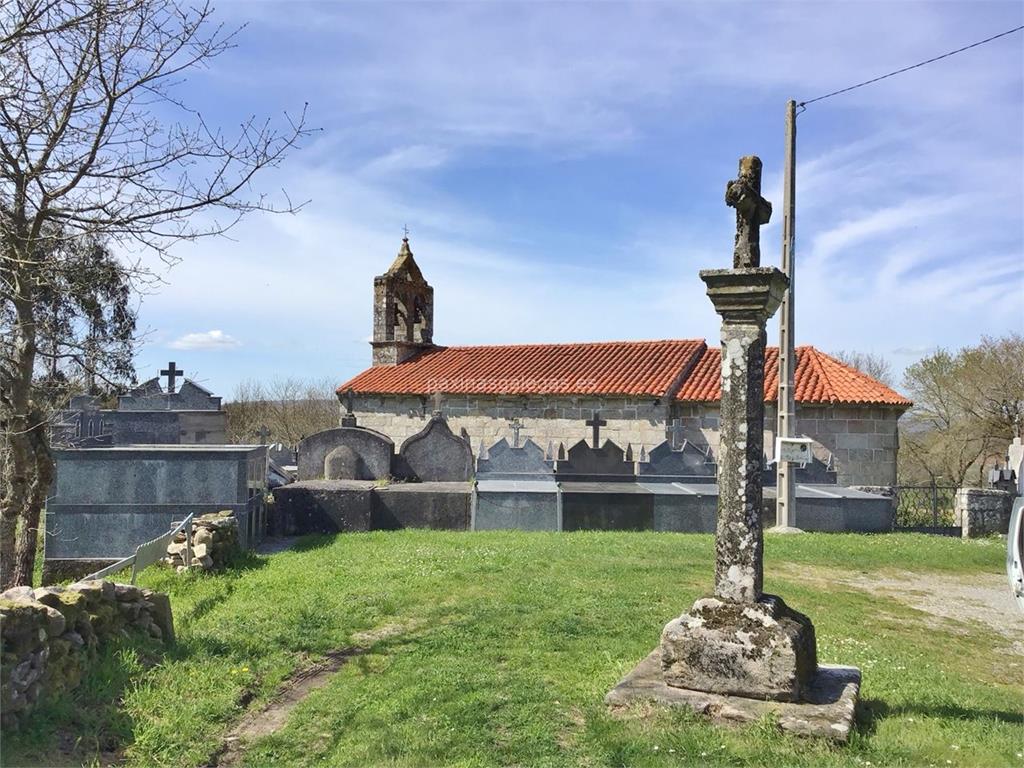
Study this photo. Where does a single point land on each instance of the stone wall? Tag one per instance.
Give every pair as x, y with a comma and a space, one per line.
982, 511
214, 543
51, 635
863, 440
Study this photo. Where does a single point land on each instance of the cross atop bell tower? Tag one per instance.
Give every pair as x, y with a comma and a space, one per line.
403, 310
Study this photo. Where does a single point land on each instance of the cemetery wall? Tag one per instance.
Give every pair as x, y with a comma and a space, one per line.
51, 636
982, 511
862, 440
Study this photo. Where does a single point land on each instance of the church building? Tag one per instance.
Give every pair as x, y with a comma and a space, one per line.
638, 392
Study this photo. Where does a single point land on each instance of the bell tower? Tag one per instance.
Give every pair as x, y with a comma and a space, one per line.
403, 311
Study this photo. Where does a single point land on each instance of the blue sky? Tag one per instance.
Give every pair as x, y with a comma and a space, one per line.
561, 168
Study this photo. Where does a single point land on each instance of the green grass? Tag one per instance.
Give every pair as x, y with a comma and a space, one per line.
517, 638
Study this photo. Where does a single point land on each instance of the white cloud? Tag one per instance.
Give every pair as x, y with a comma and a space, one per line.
205, 340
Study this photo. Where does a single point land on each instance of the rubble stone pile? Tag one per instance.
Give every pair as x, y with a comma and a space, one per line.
51, 635
214, 542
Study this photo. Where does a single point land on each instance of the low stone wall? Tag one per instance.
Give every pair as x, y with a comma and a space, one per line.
214, 542
51, 636
982, 511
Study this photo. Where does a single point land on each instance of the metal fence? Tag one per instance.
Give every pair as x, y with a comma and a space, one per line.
926, 508
150, 552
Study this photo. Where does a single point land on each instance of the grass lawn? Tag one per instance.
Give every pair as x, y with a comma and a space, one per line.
513, 639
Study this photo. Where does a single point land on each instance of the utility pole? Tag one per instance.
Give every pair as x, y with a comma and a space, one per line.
785, 510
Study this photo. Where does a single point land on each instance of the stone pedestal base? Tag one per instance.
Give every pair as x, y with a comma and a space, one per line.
762, 650
827, 710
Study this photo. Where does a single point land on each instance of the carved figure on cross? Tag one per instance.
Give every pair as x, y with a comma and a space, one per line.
172, 372
596, 422
752, 210
515, 425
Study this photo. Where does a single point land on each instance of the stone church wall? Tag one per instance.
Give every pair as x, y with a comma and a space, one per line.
863, 440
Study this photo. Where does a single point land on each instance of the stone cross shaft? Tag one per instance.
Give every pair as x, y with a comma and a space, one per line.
263, 433
675, 432
752, 210
745, 298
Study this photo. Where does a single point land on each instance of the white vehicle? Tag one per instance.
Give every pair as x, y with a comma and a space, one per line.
1015, 552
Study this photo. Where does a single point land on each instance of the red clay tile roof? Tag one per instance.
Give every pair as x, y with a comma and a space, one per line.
608, 368
650, 368
818, 378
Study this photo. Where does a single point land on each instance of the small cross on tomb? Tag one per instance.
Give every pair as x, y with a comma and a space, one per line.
171, 372
752, 210
515, 425
263, 433
438, 399
674, 433
596, 422
348, 401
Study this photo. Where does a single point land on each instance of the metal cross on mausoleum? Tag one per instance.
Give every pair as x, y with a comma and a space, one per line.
674, 433
171, 372
752, 210
596, 422
515, 425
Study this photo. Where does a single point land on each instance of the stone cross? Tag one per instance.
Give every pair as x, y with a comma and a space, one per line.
438, 399
515, 425
745, 298
263, 433
349, 419
675, 434
752, 210
596, 422
171, 372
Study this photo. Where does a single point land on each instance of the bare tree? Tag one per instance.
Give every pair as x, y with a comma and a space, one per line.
871, 363
87, 150
967, 406
291, 408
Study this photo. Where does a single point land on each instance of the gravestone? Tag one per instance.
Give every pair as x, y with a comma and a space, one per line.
507, 462
742, 645
585, 463
373, 450
435, 454
688, 463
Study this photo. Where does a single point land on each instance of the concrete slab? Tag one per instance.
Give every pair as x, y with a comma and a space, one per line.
826, 713
522, 505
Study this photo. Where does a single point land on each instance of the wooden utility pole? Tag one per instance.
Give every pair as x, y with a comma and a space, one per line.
785, 510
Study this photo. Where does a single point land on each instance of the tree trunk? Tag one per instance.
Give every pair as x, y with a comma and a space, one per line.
28, 535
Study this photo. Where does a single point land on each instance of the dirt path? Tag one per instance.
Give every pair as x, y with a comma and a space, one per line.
984, 597
273, 716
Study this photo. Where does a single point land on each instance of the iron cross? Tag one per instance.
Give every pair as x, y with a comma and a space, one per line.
596, 422
752, 210
171, 372
515, 425
263, 433
675, 434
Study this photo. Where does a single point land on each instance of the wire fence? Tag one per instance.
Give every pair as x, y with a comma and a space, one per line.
925, 506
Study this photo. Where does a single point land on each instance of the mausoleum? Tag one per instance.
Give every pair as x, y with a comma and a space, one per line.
642, 390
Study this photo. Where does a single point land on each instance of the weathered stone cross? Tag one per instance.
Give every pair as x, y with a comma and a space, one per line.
263, 433
752, 210
438, 399
596, 422
349, 418
171, 372
675, 435
348, 401
515, 425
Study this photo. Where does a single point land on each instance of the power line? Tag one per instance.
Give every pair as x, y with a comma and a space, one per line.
912, 66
